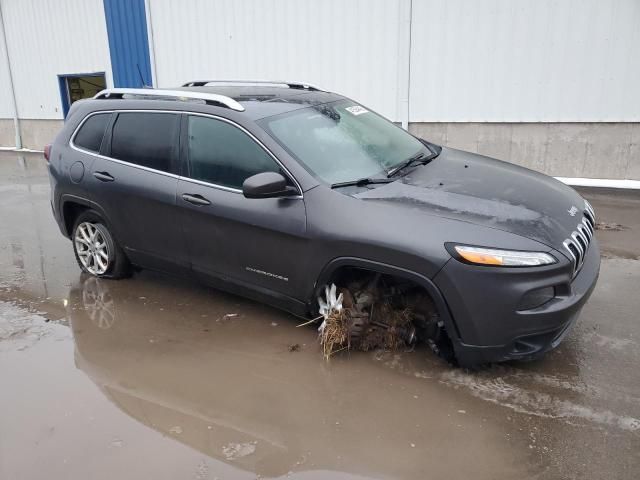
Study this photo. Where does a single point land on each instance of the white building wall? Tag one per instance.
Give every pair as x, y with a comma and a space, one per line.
471, 61
525, 61
45, 39
6, 109
346, 46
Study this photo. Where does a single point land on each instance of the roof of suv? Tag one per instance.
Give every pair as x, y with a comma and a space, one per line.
253, 100
265, 100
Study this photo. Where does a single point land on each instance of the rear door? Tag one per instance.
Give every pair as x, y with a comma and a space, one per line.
135, 182
259, 243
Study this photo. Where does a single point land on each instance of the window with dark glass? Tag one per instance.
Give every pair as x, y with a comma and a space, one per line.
91, 132
146, 139
223, 154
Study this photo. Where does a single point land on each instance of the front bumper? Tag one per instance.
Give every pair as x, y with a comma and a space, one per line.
484, 303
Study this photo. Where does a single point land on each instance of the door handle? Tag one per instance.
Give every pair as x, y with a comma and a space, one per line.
103, 176
195, 199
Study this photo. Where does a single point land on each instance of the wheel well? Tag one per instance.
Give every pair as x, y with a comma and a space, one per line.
428, 319
70, 212
348, 275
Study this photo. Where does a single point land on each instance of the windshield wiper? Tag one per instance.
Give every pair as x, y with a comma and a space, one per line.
417, 158
361, 182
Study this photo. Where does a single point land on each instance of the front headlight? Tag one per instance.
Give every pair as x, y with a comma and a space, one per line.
504, 258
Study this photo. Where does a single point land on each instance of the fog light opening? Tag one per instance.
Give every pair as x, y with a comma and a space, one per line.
536, 298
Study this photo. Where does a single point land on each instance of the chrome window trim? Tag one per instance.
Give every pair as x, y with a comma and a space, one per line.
219, 187
173, 175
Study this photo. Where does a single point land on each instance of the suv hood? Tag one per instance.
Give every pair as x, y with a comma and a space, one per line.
485, 191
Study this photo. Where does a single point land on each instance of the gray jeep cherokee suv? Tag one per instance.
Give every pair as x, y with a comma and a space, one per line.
275, 190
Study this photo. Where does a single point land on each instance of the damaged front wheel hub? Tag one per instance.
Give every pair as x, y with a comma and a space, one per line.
363, 320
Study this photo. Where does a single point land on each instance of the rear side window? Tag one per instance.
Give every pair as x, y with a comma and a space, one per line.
146, 139
90, 135
222, 154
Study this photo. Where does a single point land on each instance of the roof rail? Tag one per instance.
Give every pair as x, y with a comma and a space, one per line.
294, 85
145, 93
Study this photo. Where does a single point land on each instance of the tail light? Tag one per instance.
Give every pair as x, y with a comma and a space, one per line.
47, 152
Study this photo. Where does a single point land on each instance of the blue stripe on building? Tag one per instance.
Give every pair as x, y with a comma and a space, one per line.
128, 42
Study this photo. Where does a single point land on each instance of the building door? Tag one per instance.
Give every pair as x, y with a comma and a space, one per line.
75, 87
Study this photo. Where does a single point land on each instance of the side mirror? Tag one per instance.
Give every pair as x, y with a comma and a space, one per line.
267, 185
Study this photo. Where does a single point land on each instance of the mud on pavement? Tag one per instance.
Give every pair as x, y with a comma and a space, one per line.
154, 377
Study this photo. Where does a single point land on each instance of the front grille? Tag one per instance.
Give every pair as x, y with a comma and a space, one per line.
578, 242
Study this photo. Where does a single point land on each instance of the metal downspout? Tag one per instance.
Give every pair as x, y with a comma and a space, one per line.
16, 122
404, 47
152, 47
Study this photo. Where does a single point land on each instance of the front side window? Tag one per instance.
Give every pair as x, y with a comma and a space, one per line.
89, 137
222, 154
342, 141
146, 139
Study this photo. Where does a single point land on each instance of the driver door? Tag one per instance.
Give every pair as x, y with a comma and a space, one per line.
256, 243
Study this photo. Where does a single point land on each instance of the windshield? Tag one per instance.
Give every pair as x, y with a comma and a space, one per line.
342, 141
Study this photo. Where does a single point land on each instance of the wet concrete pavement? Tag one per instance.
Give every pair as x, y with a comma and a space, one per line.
154, 377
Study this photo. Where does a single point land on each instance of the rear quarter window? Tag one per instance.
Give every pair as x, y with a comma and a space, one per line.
146, 139
91, 132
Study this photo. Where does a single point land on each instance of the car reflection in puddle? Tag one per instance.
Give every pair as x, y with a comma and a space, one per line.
215, 373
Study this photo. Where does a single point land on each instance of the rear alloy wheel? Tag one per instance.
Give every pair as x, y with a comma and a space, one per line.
96, 250
92, 249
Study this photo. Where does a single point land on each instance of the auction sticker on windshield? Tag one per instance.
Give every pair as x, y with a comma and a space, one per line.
356, 110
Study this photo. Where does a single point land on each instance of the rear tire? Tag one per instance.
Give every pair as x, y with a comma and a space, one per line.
97, 251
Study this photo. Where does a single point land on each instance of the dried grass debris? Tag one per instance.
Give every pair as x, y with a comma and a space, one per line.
335, 333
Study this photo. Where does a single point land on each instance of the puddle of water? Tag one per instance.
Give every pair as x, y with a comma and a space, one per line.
231, 391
